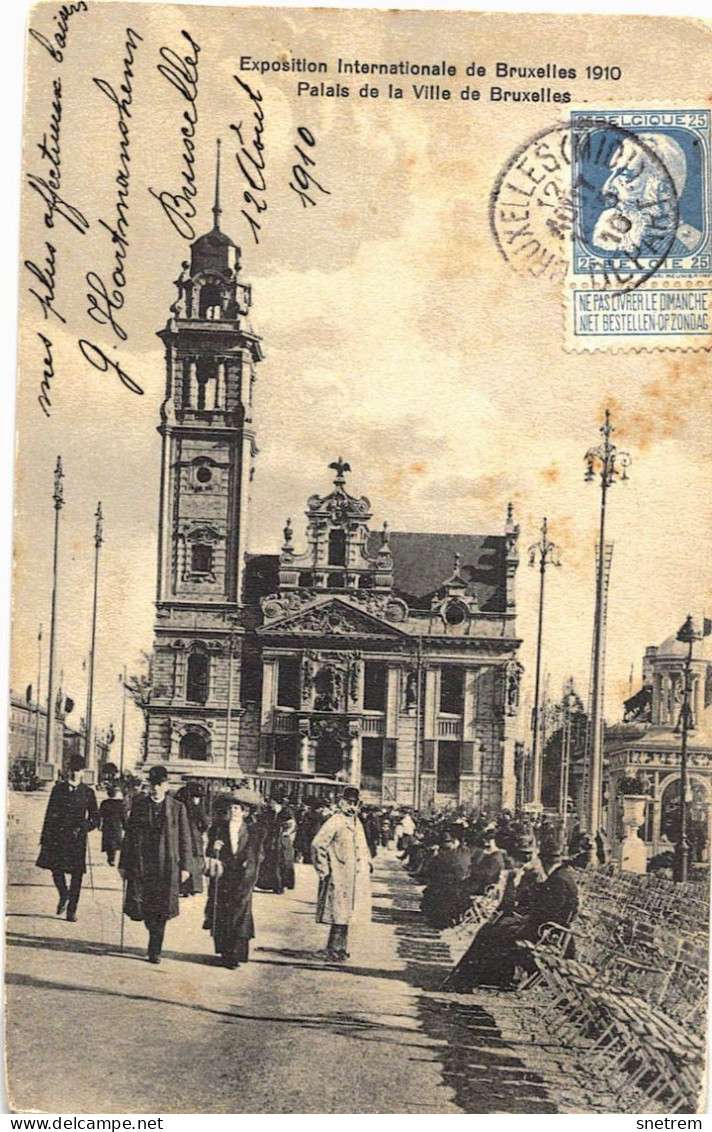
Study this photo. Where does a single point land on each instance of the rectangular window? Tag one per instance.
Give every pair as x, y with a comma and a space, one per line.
429, 756
251, 681
201, 558
286, 754
390, 754
374, 685
452, 683
288, 686
337, 547
371, 763
448, 767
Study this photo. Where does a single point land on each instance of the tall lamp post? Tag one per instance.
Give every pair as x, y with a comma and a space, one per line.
98, 540
122, 740
688, 634
58, 497
611, 464
544, 553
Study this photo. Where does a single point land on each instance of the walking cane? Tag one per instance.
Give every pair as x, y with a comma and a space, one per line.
123, 901
91, 871
215, 901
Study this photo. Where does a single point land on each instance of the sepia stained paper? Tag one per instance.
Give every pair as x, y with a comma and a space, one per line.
403, 267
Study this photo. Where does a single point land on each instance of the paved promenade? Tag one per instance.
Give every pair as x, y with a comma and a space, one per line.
91, 1029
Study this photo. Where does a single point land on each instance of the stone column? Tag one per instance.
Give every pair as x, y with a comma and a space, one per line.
269, 692
304, 749
355, 758
219, 386
192, 384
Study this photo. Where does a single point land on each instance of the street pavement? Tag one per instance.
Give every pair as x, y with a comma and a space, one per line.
92, 1029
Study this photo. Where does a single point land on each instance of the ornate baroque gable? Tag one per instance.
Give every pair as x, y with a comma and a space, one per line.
330, 618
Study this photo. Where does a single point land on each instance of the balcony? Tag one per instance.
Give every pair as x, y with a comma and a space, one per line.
449, 727
285, 722
373, 725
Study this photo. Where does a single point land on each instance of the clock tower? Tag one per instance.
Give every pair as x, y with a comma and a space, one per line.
208, 450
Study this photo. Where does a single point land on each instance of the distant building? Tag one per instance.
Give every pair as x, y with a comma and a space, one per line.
647, 745
387, 659
27, 737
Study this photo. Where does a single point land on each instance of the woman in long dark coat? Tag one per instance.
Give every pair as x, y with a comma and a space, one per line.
112, 813
235, 844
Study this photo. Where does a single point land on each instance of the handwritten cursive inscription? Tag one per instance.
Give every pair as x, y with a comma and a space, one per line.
96, 357
56, 43
49, 185
181, 71
105, 302
250, 160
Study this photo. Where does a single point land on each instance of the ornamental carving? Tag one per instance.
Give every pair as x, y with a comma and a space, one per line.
337, 728
513, 679
282, 604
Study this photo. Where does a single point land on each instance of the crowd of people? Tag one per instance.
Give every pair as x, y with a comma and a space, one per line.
167, 844
177, 844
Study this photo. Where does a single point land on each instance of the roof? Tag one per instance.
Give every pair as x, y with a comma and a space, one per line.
671, 647
422, 562
261, 576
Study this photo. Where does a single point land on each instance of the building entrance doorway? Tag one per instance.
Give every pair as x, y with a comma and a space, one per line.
329, 758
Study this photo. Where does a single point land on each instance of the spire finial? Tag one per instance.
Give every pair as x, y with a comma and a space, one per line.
340, 466
216, 207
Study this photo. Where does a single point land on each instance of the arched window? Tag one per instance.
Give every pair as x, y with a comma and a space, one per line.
198, 681
206, 372
194, 745
210, 301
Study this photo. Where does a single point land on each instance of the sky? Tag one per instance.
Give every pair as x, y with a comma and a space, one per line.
394, 332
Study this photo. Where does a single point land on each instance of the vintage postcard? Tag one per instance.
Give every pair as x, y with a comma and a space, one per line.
360, 747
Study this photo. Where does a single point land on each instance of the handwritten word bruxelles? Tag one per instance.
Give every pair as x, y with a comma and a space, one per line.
103, 302
181, 71
250, 160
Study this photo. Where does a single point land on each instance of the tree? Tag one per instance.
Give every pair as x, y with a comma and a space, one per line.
140, 688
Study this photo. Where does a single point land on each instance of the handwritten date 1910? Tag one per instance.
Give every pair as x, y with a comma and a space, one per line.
306, 183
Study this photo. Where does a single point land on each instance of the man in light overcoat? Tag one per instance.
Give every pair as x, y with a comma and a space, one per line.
341, 858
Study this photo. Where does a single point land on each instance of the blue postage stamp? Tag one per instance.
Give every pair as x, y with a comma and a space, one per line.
641, 194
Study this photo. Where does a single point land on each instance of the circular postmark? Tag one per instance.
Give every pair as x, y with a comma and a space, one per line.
589, 198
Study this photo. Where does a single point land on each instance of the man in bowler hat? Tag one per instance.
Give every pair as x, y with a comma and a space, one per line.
71, 814
155, 858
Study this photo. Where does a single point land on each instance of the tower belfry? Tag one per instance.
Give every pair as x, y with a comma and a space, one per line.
207, 463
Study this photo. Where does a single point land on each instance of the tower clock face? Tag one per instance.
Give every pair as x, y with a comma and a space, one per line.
204, 474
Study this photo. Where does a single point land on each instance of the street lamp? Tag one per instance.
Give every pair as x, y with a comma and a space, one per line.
545, 553
611, 464
687, 634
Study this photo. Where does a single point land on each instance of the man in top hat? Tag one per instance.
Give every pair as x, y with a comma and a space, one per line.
71, 814
341, 858
155, 858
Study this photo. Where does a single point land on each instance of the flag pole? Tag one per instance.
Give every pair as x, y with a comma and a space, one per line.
50, 741
98, 539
